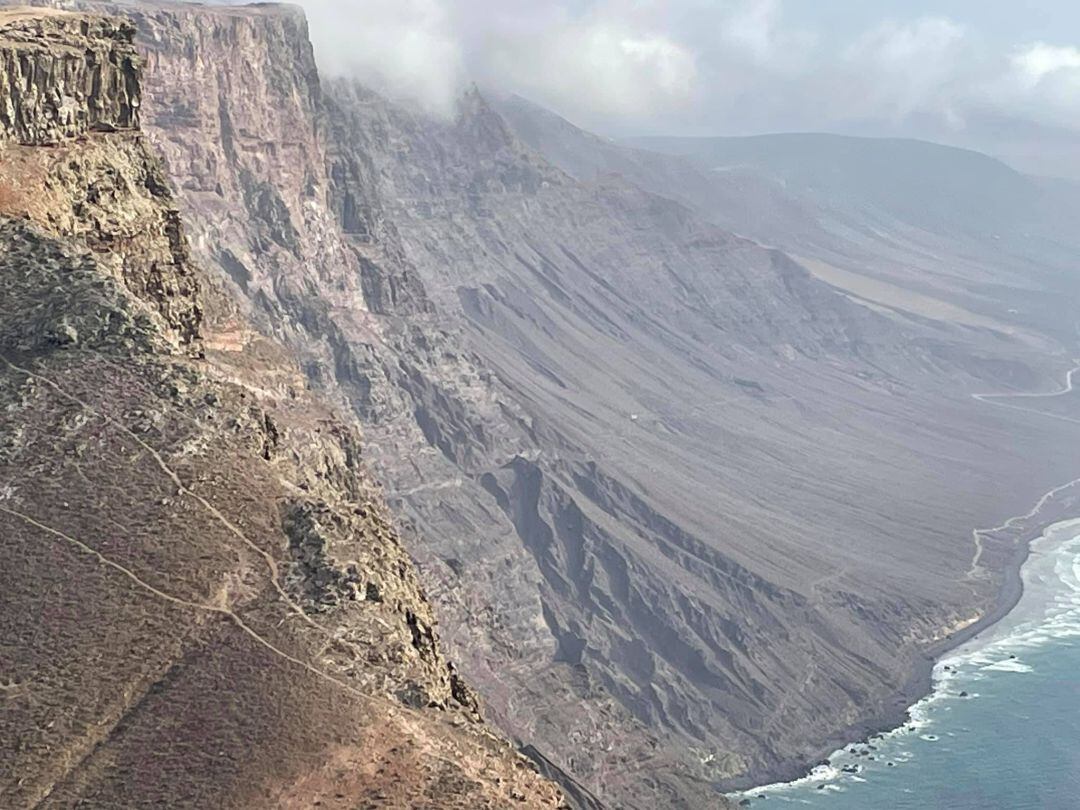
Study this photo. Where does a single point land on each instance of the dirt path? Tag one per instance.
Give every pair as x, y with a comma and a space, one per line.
991, 399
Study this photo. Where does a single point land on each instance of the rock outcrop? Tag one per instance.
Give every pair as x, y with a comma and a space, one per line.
63, 76
205, 601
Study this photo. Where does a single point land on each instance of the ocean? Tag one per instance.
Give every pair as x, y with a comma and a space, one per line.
1002, 726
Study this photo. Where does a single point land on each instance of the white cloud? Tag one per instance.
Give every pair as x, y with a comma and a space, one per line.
604, 58
407, 48
597, 66
907, 67
1042, 84
755, 29
752, 27
1039, 61
695, 65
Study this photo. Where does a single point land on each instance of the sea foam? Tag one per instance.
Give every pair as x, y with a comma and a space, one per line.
1048, 613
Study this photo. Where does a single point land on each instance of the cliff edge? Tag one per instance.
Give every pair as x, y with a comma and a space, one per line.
65, 75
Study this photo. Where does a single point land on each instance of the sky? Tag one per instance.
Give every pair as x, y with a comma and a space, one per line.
1000, 73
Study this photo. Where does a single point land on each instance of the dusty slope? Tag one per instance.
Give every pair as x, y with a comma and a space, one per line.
204, 603
708, 413
920, 228
689, 512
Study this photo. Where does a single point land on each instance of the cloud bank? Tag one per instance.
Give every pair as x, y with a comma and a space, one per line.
700, 66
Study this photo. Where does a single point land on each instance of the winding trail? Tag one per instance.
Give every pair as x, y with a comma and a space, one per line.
991, 399
1070, 386
409, 719
209, 607
275, 577
271, 563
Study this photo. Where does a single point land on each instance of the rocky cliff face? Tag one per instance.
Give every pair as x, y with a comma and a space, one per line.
66, 76
205, 600
687, 513
314, 258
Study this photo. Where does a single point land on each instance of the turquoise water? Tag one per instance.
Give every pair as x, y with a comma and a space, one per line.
1012, 743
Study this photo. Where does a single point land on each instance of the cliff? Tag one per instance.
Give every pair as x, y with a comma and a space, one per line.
65, 76
206, 603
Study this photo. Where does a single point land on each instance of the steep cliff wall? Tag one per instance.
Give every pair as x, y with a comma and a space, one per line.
67, 76
296, 223
64, 76
245, 629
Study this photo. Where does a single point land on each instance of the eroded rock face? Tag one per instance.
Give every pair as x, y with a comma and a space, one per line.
245, 628
69, 76
63, 76
722, 465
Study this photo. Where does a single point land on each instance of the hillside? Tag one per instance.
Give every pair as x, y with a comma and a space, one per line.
925, 230
951, 189
950, 223
751, 497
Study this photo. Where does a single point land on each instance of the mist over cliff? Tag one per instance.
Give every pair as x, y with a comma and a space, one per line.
1000, 81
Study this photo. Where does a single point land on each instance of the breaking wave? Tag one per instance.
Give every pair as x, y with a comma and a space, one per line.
1048, 614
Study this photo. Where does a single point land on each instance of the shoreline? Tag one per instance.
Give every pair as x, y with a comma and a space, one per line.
918, 686
920, 683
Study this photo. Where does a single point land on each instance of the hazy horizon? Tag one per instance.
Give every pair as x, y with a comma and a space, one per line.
1005, 81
